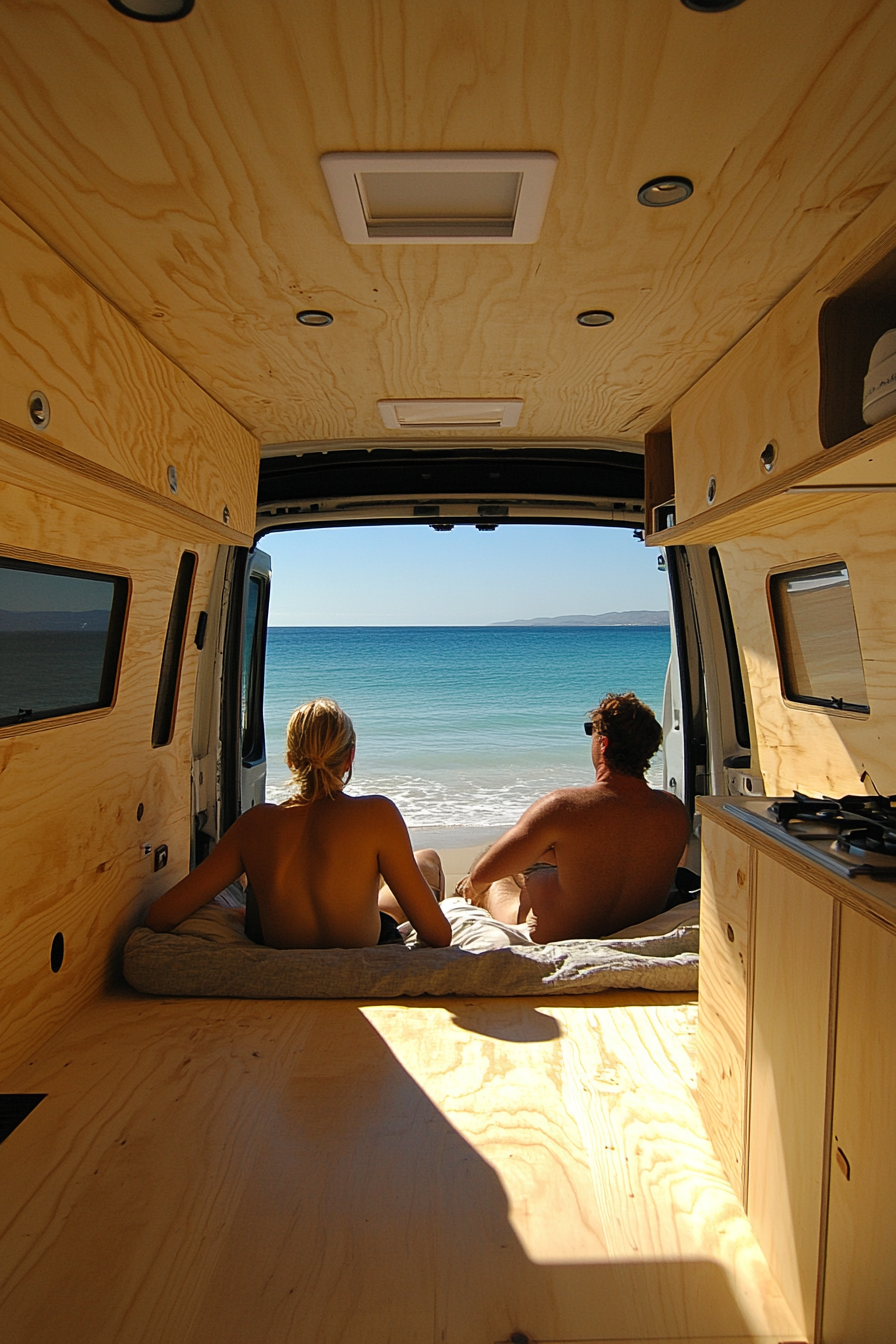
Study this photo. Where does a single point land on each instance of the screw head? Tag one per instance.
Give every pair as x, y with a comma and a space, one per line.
711, 490
225, 514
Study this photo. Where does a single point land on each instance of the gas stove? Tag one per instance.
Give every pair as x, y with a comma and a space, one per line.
854, 836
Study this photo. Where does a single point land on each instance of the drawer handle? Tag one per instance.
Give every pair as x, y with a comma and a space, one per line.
843, 1162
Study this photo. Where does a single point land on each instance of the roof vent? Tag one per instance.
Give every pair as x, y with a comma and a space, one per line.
439, 198
452, 413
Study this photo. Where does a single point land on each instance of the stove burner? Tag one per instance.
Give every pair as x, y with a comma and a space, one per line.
859, 823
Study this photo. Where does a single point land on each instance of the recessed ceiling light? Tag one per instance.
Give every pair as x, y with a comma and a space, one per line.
595, 317
451, 412
666, 191
711, 6
153, 11
314, 317
439, 198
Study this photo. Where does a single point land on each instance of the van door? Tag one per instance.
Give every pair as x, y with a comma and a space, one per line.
706, 706
243, 759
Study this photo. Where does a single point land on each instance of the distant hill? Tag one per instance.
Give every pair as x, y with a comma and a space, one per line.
608, 618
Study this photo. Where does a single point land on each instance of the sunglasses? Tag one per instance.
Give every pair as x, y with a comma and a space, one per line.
589, 729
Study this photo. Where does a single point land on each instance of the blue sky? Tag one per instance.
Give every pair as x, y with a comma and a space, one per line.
414, 576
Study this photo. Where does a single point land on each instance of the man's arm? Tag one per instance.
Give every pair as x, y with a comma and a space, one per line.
525, 843
223, 866
404, 879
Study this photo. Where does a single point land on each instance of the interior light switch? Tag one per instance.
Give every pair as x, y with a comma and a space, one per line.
160, 858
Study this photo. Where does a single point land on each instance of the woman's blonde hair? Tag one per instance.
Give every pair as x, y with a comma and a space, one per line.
318, 740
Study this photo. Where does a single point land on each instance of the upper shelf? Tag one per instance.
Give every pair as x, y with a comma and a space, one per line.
864, 463
784, 406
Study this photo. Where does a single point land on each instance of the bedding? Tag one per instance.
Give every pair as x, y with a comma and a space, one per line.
209, 956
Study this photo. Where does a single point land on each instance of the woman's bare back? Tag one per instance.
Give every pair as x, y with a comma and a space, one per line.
315, 870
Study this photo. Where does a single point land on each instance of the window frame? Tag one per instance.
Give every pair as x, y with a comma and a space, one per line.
116, 633
812, 704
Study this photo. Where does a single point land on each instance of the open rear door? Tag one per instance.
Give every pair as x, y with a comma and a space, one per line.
243, 760
256, 600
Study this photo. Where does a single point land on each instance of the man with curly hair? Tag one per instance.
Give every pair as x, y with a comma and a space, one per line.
584, 862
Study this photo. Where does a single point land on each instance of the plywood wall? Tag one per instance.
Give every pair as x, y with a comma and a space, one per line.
802, 748
92, 492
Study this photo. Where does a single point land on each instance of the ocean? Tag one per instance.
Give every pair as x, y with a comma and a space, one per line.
462, 726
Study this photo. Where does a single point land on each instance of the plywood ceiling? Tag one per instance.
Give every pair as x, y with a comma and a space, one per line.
176, 166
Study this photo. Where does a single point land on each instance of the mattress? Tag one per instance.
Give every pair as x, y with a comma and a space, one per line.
209, 956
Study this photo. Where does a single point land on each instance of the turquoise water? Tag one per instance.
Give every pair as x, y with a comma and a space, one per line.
461, 725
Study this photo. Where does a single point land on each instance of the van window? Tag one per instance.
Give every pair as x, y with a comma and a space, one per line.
61, 633
817, 641
172, 654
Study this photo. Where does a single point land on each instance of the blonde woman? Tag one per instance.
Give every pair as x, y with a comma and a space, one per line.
316, 863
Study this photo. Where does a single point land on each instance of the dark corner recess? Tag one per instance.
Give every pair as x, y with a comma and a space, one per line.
16, 1107
659, 480
172, 654
849, 326
297, 484
201, 627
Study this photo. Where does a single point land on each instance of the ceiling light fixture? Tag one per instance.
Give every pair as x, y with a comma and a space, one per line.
451, 412
314, 317
595, 317
439, 198
153, 11
711, 6
661, 191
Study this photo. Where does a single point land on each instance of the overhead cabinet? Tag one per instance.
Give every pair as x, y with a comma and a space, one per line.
784, 406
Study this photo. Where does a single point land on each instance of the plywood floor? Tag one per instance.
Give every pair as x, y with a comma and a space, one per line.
416, 1172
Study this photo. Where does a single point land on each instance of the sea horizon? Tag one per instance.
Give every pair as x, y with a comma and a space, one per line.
463, 726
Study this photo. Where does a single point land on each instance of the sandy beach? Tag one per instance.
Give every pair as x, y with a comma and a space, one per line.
457, 846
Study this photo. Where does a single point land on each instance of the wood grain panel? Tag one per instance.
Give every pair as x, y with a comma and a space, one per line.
788, 1079
440, 1171
72, 843
722, 1031
766, 389
800, 748
860, 1291
115, 401
177, 168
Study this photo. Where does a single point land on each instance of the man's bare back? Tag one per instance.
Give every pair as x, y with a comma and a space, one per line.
606, 857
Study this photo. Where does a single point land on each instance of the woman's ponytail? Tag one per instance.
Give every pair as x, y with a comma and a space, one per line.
319, 739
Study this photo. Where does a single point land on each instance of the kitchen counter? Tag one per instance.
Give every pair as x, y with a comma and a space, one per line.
748, 819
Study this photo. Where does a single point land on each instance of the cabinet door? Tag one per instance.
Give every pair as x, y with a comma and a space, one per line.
860, 1277
722, 1013
789, 1048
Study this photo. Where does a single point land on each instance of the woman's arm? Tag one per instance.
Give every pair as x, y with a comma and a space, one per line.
223, 866
407, 884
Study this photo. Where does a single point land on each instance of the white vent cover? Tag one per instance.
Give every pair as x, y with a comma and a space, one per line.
452, 413
439, 198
